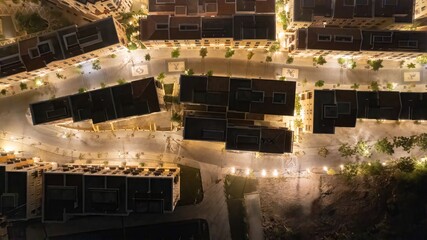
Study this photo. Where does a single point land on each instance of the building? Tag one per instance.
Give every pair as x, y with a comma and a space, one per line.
20, 187
323, 110
353, 42
237, 111
136, 98
92, 10
367, 14
66, 47
76, 190
211, 23
420, 9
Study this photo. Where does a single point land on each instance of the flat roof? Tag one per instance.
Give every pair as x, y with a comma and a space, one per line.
254, 27
205, 129
379, 105
50, 110
414, 105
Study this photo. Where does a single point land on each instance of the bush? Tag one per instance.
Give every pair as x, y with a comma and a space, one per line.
341, 61
209, 73
3, 92
375, 86
289, 60
113, 55
323, 152
422, 59
355, 86
103, 85
176, 117
298, 105
147, 57
96, 65
189, 72
161, 76
268, 59
82, 90
175, 53
274, 48
372, 169
203, 52
406, 164
132, 46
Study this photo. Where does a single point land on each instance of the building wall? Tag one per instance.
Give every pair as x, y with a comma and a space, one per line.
420, 9
99, 10
307, 104
209, 42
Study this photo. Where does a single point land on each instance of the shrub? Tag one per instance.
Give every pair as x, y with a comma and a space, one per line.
274, 48
289, 60
82, 90
209, 73
175, 53
113, 55
103, 85
147, 57
268, 59
161, 76
3, 92
298, 105
96, 64
341, 61
189, 72
31, 22
132, 46
374, 168
422, 59
406, 164
176, 117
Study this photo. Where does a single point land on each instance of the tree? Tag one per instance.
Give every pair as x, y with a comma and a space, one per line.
350, 170
384, 146
250, 55
121, 81
298, 105
176, 117
406, 164
363, 149
289, 60
175, 53
407, 143
203, 52
375, 64
323, 152
355, 86
351, 64
341, 62
389, 86
421, 141
319, 83
375, 86
422, 59
401, 63
147, 57
268, 59
189, 72
103, 85
113, 55
346, 150
96, 65
23, 86
229, 52
82, 90
410, 65
320, 60
209, 73
161, 76
60, 76
3, 91
274, 47
132, 46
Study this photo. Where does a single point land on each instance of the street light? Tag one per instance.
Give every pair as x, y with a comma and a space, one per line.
233, 170
275, 173
342, 167
247, 171
263, 173
325, 168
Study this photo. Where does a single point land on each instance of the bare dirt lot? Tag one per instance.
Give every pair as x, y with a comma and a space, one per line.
334, 207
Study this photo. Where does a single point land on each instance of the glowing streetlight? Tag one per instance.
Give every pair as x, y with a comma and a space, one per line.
325, 168
39, 82
275, 173
9, 149
342, 167
247, 171
308, 170
263, 173
384, 164
233, 170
